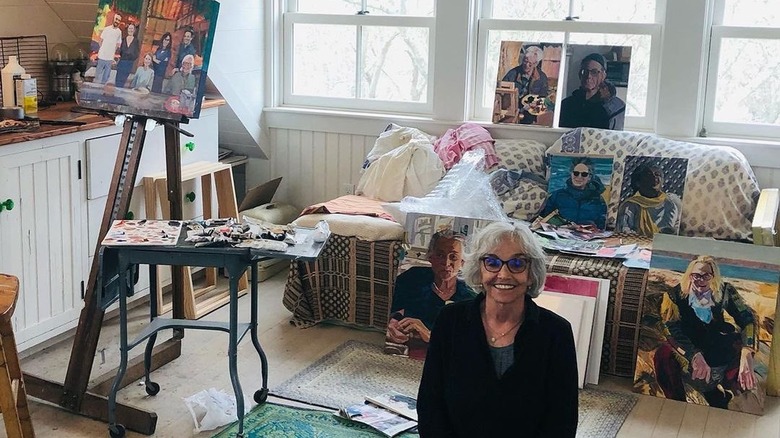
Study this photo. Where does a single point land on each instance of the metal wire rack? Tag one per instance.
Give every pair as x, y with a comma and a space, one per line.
32, 53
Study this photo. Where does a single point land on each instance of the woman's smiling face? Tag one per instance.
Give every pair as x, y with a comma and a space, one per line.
580, 176
504, 286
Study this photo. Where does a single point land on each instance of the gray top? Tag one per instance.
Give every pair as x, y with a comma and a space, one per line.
503, 358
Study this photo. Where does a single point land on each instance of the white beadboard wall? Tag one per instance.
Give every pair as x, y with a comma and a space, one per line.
315, 165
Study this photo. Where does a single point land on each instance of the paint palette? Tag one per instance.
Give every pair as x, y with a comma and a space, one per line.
143, 232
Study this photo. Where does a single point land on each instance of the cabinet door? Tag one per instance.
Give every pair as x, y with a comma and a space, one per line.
41, 238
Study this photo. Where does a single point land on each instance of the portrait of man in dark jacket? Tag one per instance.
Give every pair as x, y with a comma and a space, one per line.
529, 79
595, 103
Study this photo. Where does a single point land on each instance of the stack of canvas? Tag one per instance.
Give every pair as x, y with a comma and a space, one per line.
767, 218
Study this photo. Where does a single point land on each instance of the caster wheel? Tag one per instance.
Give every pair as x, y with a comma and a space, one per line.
152, 388
116, 431
261, 395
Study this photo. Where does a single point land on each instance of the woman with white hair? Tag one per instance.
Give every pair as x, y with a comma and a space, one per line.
705, 351
499, 365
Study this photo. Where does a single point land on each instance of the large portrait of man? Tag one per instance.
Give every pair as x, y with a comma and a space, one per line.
527, 82
596, 87
422, 291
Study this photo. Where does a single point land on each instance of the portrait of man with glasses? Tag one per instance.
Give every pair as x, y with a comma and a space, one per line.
595, 104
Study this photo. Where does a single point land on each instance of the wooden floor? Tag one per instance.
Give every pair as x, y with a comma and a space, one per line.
204, 364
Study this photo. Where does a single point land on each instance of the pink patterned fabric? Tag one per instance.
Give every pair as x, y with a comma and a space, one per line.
451, 146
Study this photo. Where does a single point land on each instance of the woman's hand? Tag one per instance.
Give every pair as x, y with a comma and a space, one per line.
395, 333
701, 369
747, 379
415, 326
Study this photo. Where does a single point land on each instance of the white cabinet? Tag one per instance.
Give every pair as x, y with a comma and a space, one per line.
41, 238
59, 188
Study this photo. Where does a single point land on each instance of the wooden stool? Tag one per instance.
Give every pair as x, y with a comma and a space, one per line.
13, 396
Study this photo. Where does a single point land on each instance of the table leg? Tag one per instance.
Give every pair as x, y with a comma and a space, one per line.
117, 430
235, 271
152, 388
261, 395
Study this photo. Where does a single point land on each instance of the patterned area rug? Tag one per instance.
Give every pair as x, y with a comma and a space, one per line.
349, 373
356, 369
277, 421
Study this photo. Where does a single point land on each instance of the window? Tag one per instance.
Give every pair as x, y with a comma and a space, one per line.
743, 83
359, 54
634, 23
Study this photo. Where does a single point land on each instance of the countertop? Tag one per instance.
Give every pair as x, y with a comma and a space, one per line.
62, 112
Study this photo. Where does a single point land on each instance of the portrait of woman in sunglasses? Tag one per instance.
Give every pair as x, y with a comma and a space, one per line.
580, 200
704, 351
499, 365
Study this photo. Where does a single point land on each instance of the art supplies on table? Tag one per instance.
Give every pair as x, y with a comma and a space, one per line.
143, 232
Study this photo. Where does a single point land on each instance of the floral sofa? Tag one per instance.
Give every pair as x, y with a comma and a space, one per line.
353, 280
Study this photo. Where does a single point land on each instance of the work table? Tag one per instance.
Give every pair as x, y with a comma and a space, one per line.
63, 112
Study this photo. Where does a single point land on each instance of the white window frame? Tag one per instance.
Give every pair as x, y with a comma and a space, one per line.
654, 30
679, 96
719, 32
291, 18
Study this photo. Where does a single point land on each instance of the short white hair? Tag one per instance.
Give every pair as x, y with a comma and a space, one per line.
534, 50
488, 238
190, 58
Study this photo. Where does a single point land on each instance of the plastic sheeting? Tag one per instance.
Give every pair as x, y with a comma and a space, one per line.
464, 191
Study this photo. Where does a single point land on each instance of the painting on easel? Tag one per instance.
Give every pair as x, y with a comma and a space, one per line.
150, 57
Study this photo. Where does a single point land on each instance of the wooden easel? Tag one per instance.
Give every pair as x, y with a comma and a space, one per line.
73, 395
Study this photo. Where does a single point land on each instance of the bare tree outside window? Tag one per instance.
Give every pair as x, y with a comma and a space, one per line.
747, 87
364, 62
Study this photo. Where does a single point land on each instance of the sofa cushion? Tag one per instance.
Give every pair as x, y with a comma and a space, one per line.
363, 227
524, 201
721, 189
526, 155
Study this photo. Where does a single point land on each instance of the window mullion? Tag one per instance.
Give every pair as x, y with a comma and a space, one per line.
452, 78
681, 80
360, 59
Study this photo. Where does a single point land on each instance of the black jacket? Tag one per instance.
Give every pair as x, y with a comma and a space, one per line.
577, 111
460, 394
